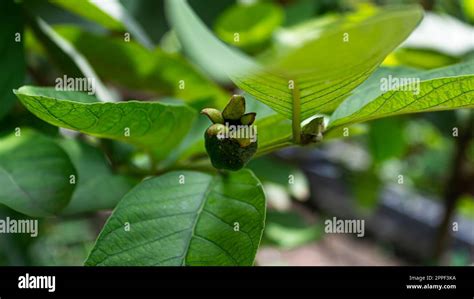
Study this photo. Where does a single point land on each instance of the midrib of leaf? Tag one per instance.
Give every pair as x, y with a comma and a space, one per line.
296, 120
294, 94
196, 220
310, 94
322, 86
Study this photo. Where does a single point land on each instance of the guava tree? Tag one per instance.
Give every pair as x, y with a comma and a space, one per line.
195, 203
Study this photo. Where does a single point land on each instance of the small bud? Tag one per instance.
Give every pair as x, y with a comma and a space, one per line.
214, 115
248, 118
235, 109
312, 132
216, 129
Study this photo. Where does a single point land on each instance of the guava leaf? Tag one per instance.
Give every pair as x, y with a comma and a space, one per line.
22, 158
154, 126
185, 218
440, 89
97, 187
310, 79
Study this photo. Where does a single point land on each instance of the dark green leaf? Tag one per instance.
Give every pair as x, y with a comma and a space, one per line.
190, 223
97, 187
154, 126
22, 160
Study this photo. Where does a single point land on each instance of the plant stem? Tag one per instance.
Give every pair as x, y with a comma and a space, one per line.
274, 146
455, 187
204, 164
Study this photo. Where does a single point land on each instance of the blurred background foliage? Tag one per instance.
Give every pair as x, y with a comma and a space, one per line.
361, 167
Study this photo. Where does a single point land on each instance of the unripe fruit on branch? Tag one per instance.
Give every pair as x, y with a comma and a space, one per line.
231, 140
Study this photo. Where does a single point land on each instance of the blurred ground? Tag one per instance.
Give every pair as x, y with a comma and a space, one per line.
332, 250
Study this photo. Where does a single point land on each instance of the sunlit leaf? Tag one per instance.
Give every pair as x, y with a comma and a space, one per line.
441, 89
310, 79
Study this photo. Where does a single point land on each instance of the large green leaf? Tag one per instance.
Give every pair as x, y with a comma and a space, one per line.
97, 187
320, 79
11, 53
133, 66
22, 160
207, 220
441, 89
310, 79
110, 14
155, 126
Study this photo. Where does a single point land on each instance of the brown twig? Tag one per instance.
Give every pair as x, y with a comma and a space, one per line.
456, 186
